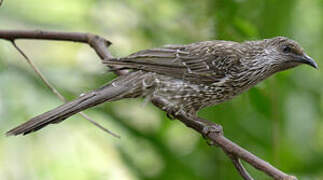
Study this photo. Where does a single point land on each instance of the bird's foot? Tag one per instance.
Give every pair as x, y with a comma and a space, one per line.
172, 112
215, 128
210, 129
170, 116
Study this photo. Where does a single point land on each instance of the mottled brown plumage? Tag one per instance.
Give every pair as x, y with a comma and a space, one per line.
187, 77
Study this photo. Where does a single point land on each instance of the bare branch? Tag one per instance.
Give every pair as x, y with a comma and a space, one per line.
214, 132
42, 77
1, 1
99, 125
238, 165
99, 44
53, 89
206, 128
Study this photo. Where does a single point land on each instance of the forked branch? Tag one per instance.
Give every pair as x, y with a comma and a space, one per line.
100, 45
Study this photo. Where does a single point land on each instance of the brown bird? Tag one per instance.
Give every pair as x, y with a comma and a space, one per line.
186, 77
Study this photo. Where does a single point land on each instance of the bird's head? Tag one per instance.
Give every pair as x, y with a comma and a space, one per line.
278, 54
287, 53
262, 59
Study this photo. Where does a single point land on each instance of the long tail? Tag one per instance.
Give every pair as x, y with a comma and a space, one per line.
107, 93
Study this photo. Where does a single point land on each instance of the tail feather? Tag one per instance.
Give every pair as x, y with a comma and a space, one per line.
106, 93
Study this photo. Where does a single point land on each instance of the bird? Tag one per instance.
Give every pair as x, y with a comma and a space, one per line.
186, 77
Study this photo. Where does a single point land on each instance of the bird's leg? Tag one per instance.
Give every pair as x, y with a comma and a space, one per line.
170, 116
167, 106
208, 127
189, 119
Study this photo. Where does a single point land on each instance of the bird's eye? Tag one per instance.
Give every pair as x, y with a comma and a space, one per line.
287, 49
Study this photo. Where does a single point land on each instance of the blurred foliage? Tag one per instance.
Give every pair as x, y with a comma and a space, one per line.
280, 120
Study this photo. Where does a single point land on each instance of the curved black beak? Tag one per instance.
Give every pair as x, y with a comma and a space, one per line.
305, 59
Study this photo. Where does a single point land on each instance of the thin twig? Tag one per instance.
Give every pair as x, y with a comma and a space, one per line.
53, 89
238, 165
1, 1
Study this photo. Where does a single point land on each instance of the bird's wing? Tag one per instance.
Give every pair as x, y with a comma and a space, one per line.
205, 62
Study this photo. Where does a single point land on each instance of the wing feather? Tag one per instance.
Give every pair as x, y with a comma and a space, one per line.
197, 62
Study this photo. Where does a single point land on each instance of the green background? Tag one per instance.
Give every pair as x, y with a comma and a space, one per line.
280, 120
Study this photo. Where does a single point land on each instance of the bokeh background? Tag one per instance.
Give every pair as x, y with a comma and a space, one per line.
280, 120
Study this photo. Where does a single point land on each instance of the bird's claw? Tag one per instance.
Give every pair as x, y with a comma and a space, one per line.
171, 117
217, 129
212, 129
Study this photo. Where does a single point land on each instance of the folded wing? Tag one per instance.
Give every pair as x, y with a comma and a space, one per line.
197, 62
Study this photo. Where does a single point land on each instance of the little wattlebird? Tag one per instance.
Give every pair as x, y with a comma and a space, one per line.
186, 77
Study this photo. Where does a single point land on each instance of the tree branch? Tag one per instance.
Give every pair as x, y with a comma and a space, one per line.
54, 90
206, 128
238, 165
98, 44
214, 132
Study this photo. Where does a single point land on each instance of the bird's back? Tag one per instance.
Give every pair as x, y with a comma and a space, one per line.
189, 76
